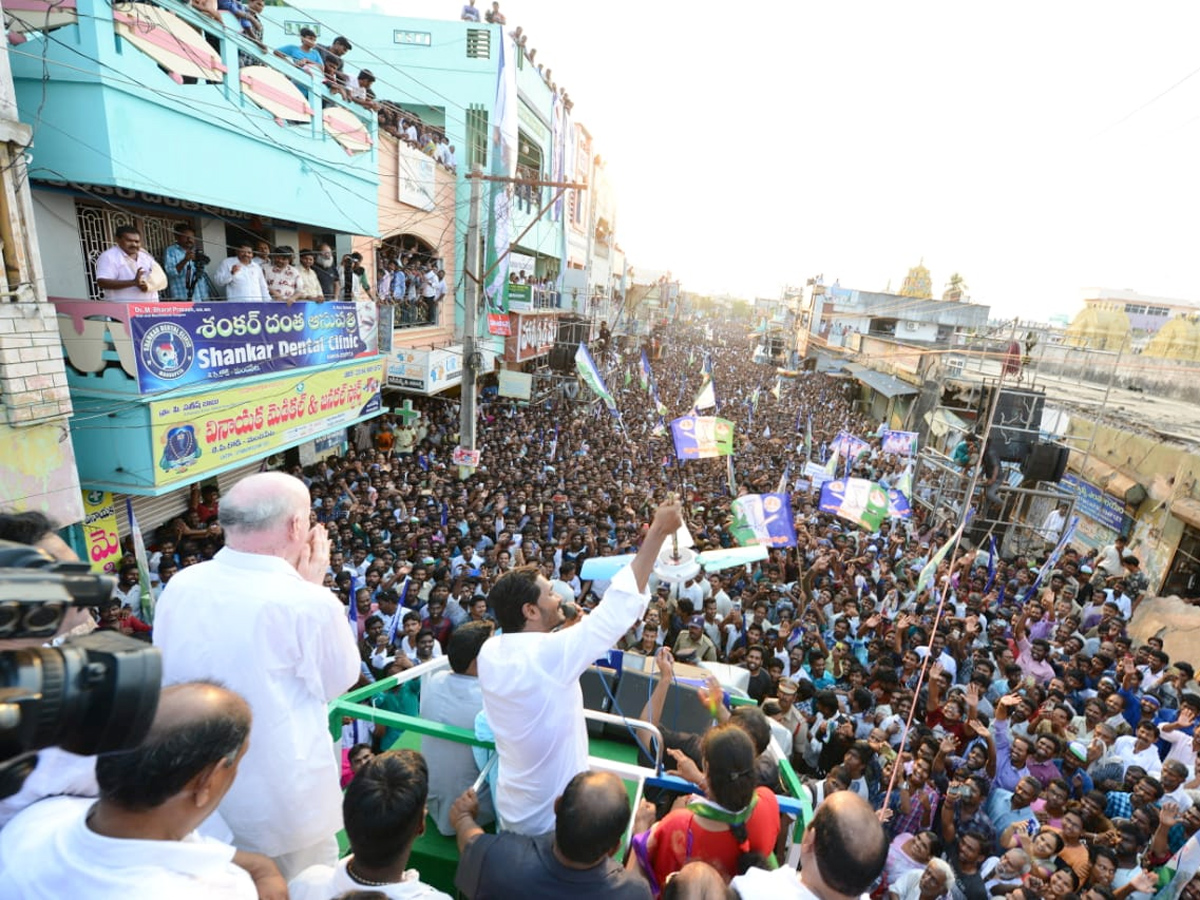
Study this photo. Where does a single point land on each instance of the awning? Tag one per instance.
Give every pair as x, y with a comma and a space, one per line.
878, 381
942, 422
1186, 510
1109, 479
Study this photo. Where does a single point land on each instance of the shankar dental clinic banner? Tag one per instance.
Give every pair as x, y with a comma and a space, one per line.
177, 344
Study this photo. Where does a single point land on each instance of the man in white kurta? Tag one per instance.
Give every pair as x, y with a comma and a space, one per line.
529, 676
257, 619
137, 839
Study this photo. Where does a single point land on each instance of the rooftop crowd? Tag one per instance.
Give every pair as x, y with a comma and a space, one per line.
1011, 740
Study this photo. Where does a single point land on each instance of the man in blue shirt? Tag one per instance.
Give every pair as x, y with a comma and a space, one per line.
304, 54
179, 262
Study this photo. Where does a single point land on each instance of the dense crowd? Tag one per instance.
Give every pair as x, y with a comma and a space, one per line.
1010, 736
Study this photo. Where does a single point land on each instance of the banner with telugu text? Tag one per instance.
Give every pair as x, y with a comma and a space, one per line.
100, 535
178, 344
208, 431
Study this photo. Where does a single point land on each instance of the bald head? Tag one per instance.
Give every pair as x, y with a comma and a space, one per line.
591, 816
847, 845
265, 513
696, 881
198, 725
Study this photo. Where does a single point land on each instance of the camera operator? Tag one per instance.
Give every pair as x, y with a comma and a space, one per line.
57, 772
184, 265
138, 839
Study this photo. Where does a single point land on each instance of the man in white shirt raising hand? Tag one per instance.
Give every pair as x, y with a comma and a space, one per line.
529, 677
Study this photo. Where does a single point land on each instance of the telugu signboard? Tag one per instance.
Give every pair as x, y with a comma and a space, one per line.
208, 431
100, 532
425, 371
532, 335
177, 344
1093, 503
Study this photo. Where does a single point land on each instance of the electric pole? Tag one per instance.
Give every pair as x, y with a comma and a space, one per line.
475, 282
466, 437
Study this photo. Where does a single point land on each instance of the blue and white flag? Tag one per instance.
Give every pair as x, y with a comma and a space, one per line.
702, 437
898, 505
991, 568
591, 376
764, 519
647, 373
146, 595
1055, 555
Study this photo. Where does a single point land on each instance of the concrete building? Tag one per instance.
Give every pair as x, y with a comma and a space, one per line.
37, 456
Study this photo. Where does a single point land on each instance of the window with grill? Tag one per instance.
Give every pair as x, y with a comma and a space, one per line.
477, 130
479, 43
98, 231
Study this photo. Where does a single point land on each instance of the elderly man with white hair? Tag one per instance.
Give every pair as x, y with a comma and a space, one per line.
257, 619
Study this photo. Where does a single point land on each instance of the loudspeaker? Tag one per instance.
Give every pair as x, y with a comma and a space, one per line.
1045, 462
682, 711
595, 696
1017, 423
572, 332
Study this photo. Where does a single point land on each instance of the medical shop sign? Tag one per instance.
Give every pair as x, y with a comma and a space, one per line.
532, 336
178, 344
209, 431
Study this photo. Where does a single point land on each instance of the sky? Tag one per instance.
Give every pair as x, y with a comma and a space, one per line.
756, 145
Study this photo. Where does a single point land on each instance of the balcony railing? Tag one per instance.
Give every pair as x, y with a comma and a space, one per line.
194, 52
146, 349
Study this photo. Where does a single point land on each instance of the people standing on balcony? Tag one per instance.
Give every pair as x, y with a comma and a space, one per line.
262, 254
327, 272
470, 12
185, 279
355, 286
242, 280
305, 56
308, 285
494, 16
127, 273
429, 280
283, 280
332, 55
361, 92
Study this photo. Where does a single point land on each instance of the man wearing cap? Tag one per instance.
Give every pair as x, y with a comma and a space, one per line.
693, 645
282, 278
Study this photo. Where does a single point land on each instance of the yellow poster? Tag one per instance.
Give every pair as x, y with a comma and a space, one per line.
205, 432
100, 532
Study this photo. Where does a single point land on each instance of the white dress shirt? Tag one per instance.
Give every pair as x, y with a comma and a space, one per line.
323, 882
534, 704
57, 773
1147, 759
247, 284
251, 622
115, 264
49, 852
